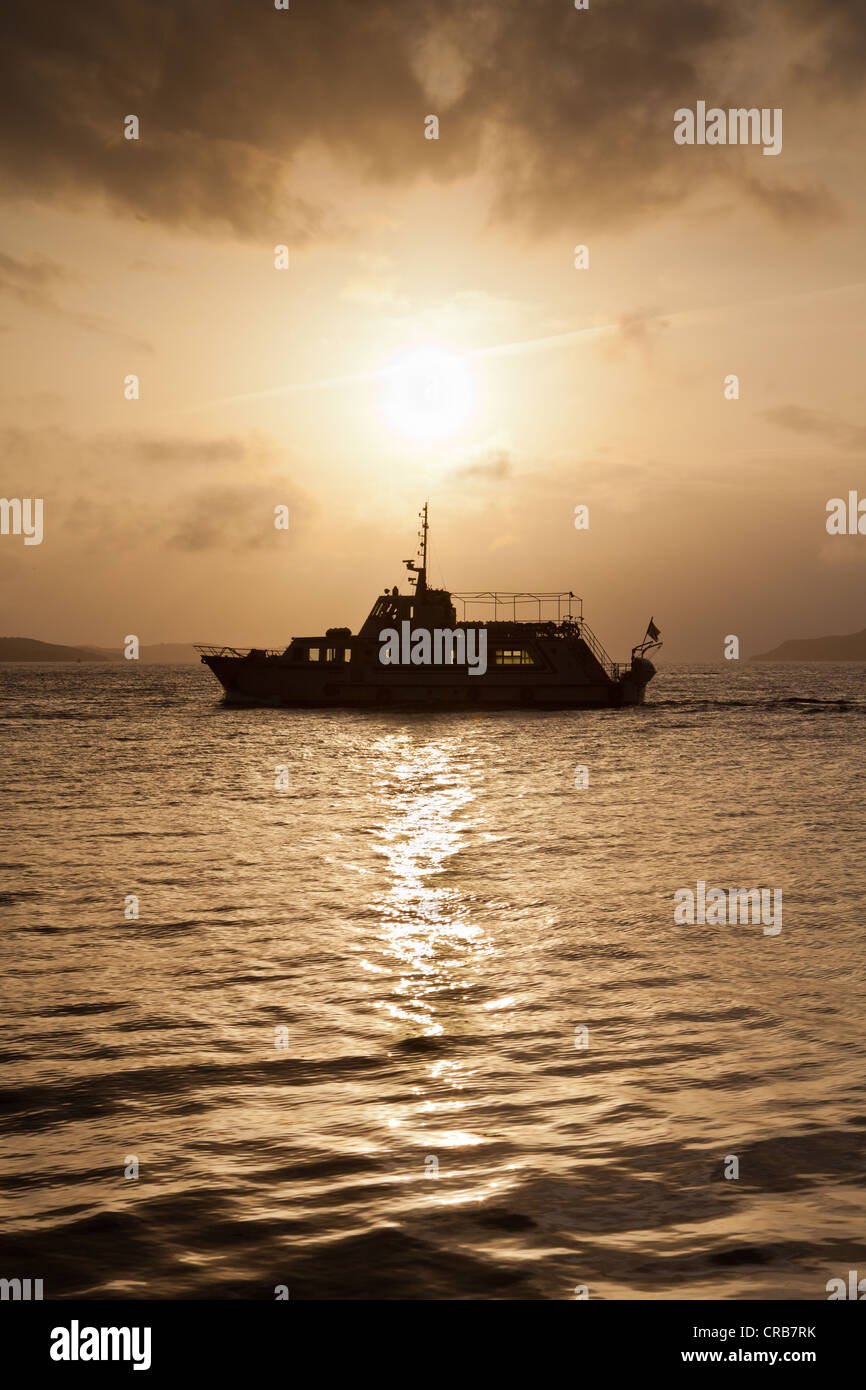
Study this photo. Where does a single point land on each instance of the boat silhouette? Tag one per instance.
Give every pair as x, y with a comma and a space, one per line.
414, 652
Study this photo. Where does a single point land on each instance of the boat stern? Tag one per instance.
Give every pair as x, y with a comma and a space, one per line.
634, 681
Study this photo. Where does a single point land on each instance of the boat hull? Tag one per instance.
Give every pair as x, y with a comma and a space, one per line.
264, 681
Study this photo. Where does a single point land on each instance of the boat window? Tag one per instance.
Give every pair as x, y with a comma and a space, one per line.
313, 653
513, 656
331, 654
347, 653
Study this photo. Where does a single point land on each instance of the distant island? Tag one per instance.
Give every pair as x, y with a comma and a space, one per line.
850, 647
28, 649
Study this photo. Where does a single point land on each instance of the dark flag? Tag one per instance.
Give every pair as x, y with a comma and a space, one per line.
653, 632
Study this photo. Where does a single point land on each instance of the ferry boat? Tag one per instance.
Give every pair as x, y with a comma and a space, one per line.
414, 652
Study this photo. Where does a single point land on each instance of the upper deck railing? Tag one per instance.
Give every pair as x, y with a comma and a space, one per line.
564, 601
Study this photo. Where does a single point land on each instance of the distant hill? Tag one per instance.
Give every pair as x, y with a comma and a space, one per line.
851, 647
28, 649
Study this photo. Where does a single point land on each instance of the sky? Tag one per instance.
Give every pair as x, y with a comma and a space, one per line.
431, 337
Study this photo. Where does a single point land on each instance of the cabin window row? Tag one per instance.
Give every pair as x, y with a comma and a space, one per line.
329, 653
502, 656
512, 656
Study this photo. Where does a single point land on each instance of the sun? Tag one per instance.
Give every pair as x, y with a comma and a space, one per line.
428, 393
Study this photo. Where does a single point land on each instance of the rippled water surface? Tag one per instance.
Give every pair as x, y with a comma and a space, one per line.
431, 908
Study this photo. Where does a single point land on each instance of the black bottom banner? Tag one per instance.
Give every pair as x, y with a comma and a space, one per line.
225, 1339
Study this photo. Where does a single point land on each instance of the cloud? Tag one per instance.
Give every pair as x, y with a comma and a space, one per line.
815, 422
179, 451
247, 452
239, 518
802, 204
637, 331
31, 283
836, 31
147, 491
226, 98
486, 465
570, 113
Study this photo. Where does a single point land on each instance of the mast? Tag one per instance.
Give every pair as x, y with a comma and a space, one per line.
420, 571
422, 577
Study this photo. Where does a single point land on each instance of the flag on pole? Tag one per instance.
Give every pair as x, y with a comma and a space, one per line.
652, 631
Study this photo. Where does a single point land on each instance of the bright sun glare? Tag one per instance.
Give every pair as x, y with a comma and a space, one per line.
428, 393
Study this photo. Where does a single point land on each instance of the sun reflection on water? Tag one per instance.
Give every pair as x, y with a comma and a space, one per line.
428, 936
433, 939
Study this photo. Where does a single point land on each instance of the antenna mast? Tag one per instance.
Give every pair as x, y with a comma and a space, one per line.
418, 573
